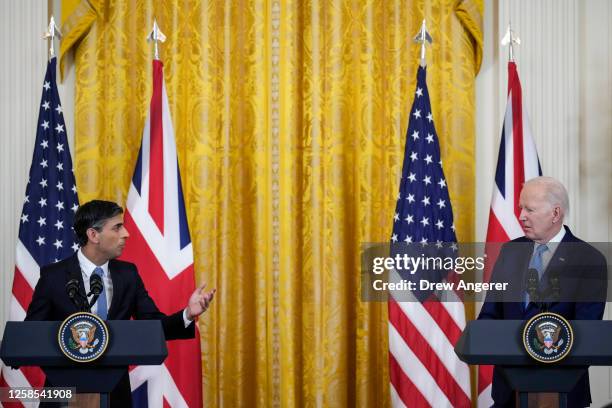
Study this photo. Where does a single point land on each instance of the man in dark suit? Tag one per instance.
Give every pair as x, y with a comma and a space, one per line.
101, 234
551, 249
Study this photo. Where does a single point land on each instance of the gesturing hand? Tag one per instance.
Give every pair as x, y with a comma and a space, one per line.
199, 302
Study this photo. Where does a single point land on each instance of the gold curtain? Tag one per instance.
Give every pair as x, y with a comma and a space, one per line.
290, 120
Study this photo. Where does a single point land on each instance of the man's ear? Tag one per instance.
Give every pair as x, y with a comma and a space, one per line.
557, 214
92, 235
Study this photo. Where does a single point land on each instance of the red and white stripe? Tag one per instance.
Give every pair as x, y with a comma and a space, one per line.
27, 272
520, 163
424, 369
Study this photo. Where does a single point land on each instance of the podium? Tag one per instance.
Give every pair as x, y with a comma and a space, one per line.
132, 342
499, 343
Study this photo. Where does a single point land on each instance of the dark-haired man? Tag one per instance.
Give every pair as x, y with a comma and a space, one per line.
101, 234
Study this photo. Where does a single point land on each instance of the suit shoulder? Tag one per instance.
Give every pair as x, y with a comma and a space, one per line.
517, 244
58, 267
124, 266
587, 251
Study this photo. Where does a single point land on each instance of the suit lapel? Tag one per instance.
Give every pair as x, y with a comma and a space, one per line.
526, 253
560, 256
74, 272
118, 288
559, 259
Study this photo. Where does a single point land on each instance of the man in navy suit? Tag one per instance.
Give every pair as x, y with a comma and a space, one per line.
101, 234
551, 249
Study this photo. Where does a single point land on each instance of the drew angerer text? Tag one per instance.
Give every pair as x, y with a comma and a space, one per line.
426, 285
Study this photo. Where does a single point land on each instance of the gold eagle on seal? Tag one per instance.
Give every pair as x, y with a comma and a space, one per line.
83, 337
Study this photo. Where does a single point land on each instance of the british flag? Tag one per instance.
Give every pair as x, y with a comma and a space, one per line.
517, 162
160, 245
45, 228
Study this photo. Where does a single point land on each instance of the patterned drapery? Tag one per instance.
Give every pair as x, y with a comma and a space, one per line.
289, 119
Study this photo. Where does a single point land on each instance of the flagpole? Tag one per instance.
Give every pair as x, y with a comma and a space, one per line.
50, 34
423, 37
156, 36
510, 38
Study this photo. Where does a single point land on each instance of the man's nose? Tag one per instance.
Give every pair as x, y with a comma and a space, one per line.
125, 234
522, 215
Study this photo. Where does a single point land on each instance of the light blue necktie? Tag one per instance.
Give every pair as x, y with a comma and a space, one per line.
101, 302
537, 263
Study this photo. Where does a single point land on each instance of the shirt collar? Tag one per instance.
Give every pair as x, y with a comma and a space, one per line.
87, 266
559, 236
554, 240
553, 243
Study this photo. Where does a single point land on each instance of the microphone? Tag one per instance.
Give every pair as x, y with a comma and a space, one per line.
554, 290
96, 287
72, 288
531, 282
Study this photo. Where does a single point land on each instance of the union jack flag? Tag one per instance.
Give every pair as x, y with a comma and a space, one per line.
45, 228
160, 245
423, 367
517, 162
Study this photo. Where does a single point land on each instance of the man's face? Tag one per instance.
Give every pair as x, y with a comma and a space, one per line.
540, 219
111, 237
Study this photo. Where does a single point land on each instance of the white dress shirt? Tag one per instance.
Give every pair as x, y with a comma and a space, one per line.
87, 268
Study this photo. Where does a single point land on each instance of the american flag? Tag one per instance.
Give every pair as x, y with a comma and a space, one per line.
45, 228
517, 162
424, 370
160, 245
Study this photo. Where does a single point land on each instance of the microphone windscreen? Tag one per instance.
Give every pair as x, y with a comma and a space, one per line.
72, 287
532, 276
95, 284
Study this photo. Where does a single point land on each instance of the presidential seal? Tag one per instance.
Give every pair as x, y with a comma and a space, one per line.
548, 337
83, 337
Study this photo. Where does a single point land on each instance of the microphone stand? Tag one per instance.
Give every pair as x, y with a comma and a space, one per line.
75, 295
531, 282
